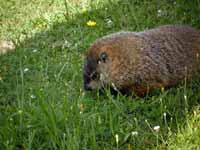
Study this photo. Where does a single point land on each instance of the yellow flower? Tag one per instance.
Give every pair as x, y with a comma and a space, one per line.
162, 89
91, 23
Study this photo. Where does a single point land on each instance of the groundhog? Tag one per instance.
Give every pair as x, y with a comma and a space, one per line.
140, 62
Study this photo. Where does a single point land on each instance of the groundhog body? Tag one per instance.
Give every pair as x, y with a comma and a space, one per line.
143, 61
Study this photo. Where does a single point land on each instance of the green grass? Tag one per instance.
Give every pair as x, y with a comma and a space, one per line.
42, 102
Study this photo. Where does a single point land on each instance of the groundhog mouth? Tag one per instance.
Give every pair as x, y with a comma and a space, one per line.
92, 81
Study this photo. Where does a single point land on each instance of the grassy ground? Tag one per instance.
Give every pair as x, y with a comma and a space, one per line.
42, 103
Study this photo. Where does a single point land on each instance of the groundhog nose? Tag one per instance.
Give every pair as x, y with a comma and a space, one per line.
87, 87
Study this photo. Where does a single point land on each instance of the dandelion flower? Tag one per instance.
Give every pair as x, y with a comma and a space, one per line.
156, 128
91, 23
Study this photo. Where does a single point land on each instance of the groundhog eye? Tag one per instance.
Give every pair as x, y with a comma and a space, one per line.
103, 57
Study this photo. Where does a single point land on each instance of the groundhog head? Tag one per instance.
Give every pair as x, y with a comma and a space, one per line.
108, 63
97, 63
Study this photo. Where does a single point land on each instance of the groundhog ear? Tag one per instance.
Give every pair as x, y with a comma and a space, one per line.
103, 57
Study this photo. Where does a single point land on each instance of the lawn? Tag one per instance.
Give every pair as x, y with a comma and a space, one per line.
42, 101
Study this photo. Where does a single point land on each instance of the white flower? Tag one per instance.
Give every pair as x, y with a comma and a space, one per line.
26, 69
109, 21
185, 97
164, 114
159, 13
66, 44
134, 133
33, 96
117, 138
35, 50
156, 128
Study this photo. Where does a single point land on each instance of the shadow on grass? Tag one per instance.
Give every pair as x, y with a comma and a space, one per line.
46, 71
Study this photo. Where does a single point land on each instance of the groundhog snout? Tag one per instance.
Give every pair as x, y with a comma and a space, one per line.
90, 76
91, 82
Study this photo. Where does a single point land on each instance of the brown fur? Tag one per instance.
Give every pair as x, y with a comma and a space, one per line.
143, 61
